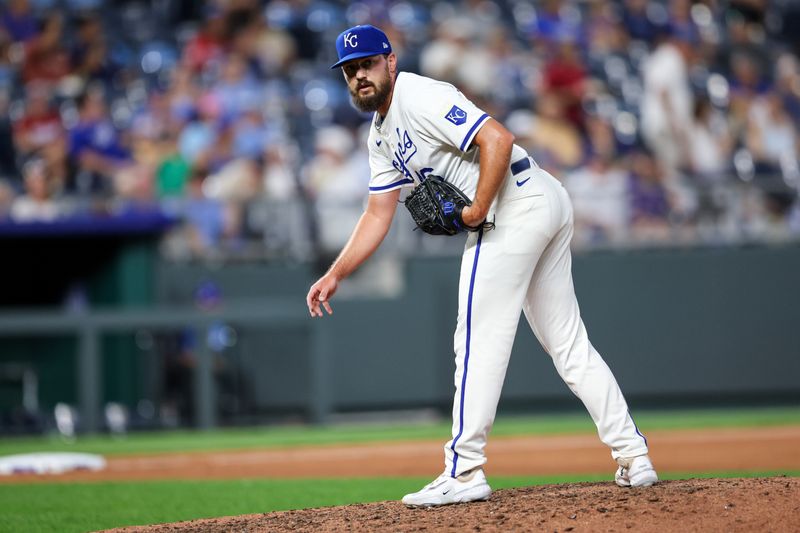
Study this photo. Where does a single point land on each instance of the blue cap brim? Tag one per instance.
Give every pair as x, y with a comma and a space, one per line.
356, 55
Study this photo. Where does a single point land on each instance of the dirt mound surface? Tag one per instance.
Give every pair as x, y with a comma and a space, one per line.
760, 504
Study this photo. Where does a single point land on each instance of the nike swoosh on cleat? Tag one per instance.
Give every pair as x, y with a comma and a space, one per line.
523, 182
445, 492
378, 142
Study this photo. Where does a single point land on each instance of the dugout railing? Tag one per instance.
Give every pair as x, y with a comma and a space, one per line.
88, 326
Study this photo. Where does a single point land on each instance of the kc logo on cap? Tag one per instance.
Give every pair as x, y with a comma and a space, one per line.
361, 41
350, 40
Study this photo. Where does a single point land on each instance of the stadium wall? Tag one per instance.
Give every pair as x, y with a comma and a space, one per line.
680, 326
677, 326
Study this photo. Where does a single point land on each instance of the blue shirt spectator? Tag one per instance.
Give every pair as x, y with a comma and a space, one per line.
18, 20
99, 137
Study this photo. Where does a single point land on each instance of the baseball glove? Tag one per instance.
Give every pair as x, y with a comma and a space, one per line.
436, 205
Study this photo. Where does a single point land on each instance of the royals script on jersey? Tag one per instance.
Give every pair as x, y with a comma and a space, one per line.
428, 131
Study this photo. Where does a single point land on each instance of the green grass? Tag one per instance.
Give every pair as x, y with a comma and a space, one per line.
65, 508
91, 506
244, 438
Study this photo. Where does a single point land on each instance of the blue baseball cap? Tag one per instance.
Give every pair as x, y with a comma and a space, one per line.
361, 41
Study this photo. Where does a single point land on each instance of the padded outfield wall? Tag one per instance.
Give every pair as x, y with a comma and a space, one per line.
678, 327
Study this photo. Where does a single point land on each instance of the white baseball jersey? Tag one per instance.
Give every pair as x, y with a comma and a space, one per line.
428, 131
522, 264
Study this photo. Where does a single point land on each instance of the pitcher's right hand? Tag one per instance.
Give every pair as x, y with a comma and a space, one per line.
320, 293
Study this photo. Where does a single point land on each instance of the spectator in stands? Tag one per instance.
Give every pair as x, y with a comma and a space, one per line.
637, 21
229, 107
555, 142
182, 95
667, 102
279, 179
787, 84
551, 23
172, 175
771, 134
747, 76
680, 21
600, 139
443, 55
710, 144
208, 44
36, 204
328, 173
96, 148
40, 125
91, 61
274, 48
46, 57
649, 200
19, 21
237, 91
154, 120
201, 141
478, 59
599, 192
39, 133
564, 78
606, 34
509, 70
88, 33
336, 180
134, 188
250, 134
211, 226
159, 127
235, 182
772, 140
744, 59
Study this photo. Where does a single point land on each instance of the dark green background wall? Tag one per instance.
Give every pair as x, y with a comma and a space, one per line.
676, 326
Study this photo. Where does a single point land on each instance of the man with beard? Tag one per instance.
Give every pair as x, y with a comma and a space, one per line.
521, 262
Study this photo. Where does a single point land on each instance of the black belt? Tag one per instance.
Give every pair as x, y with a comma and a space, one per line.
521, 165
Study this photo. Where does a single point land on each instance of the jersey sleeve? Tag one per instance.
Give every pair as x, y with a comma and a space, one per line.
448, 116
384, 177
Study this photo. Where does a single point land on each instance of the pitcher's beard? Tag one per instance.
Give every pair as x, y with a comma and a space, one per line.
370, 104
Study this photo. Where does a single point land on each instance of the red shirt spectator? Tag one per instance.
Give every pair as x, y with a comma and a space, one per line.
46, 58
564, 76
206, 45
41, 125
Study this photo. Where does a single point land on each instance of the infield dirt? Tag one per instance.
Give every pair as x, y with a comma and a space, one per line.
753, 449
757, 504
760, 504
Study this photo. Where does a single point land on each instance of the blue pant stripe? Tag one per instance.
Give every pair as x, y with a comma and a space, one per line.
637, 429
466, 356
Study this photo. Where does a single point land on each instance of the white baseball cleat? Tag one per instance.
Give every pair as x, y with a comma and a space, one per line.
635, 472
468, 487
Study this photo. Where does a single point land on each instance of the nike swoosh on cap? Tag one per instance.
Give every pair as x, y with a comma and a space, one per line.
523, 182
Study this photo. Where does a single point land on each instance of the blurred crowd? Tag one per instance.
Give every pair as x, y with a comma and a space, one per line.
669, 121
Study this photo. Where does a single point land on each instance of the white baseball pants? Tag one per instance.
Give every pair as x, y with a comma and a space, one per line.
525, 264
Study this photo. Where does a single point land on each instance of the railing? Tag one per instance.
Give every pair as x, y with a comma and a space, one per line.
90, 325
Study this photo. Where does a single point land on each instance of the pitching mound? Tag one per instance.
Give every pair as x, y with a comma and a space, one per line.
769, 504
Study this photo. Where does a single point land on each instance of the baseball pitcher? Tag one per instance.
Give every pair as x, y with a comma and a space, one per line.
467, 175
